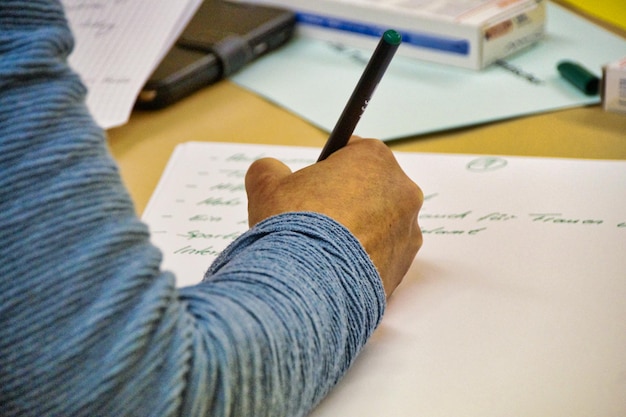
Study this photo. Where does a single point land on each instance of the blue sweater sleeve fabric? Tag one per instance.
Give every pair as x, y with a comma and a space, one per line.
90, 325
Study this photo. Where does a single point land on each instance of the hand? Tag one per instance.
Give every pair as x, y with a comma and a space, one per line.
362, 187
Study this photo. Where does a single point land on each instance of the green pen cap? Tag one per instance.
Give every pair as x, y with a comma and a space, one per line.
579, 77
392, 37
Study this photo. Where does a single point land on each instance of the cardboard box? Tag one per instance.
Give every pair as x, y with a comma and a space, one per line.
614, 86
470, 34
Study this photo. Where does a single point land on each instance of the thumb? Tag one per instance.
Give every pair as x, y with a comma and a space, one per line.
265, 173
262, 179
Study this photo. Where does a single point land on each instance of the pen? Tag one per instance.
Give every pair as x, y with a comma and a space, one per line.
360, 98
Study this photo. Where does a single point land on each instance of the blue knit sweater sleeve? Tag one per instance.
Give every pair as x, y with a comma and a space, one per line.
90, 325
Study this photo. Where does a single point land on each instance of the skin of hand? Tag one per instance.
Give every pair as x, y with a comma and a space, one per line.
362, 187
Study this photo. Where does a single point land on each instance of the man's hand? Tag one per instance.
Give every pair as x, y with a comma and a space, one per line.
362, 187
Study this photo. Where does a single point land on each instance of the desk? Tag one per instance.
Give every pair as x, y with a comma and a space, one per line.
228, 113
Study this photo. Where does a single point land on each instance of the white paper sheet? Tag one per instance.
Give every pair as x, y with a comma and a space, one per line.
118, 45
314, 80
514, 306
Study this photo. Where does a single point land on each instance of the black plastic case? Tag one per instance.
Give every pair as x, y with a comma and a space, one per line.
219, 40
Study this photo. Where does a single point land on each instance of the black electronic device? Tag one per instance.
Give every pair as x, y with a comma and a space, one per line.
219, 40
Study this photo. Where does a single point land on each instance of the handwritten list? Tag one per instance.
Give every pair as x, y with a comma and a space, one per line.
513, 306
200, 204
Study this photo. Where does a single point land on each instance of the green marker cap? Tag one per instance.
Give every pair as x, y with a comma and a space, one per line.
392, 37
579, 77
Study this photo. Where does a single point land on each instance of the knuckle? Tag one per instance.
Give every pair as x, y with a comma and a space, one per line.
377, 146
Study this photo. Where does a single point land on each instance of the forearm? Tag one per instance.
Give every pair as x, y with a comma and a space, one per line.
301, 298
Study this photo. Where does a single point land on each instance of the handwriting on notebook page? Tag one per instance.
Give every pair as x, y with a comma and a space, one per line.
200, 205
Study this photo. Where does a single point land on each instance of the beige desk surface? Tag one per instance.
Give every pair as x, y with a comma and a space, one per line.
228, 113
